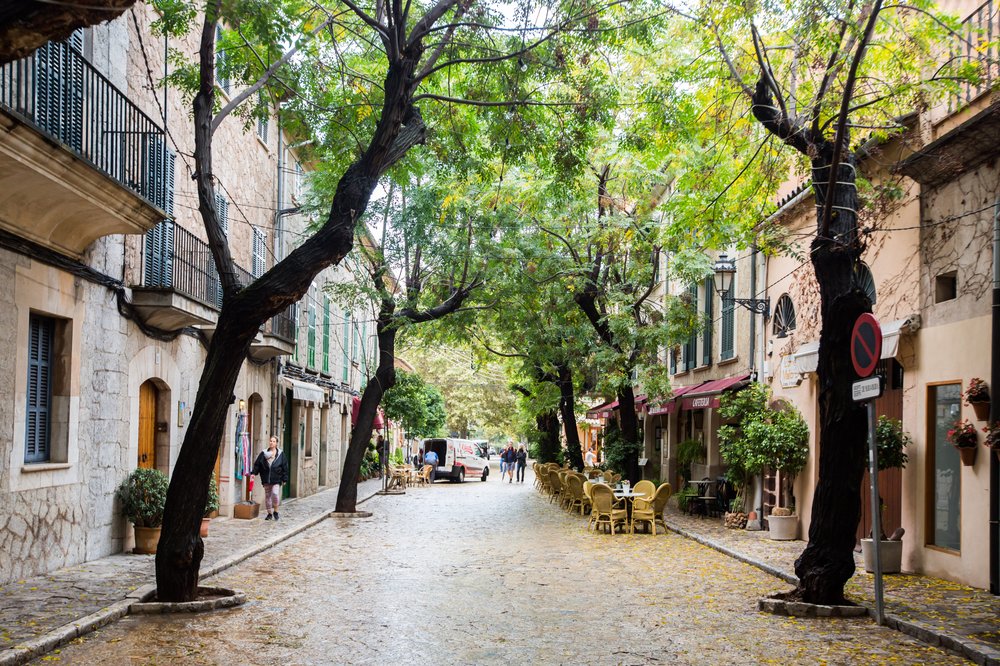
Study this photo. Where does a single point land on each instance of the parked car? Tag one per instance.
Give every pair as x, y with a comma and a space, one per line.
457, 459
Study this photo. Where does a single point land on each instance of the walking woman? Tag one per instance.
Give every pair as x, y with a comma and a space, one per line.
272, 466
522, 459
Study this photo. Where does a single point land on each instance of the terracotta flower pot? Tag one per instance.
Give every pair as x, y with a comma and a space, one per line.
967, 454
203, 532
146, 539
982, 409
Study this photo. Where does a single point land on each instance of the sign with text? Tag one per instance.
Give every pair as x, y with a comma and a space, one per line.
866, 345
866, 389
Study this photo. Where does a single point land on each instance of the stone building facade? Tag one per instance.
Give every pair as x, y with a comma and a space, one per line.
108, 296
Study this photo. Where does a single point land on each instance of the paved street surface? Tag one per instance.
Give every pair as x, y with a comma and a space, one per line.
492, 573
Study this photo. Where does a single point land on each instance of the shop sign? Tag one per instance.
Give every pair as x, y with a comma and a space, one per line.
788, 372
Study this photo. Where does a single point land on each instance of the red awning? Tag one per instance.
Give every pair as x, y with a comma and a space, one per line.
707, 394
356, 409
601, 409
669, 405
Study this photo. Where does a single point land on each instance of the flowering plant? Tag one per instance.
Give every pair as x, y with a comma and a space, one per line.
992, 431
978, 391
963, 435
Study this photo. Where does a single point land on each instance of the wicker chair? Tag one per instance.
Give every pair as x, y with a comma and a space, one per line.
577, 498
606, 511
650, 509
645, 487
555, 486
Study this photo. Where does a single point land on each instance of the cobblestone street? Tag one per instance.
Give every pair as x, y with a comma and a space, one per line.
491, 573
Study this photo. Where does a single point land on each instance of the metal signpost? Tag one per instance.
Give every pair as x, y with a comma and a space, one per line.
866, 349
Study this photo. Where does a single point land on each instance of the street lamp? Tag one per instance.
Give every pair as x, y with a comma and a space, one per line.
725, 269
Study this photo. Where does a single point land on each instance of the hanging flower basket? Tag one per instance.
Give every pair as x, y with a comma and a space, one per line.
963, 436
992, 439
977, 395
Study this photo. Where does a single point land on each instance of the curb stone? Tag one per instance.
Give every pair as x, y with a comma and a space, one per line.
960, 645
24, 652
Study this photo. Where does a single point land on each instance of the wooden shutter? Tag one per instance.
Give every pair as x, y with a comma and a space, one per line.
706, 338
259, 263
159, 255
38, 415
691, 348
311, 341
59, 90
344, 343
326, 334
727, 345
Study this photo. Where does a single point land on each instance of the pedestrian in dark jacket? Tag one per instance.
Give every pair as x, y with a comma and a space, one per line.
272, 467
522, 459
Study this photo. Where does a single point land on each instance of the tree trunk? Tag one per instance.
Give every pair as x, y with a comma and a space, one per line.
361, 433
827, 563
568, 411
180, 550
548, 427
630, 431
179, 554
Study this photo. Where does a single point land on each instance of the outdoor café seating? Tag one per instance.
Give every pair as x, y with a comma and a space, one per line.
644, 487
650, 509
607, 511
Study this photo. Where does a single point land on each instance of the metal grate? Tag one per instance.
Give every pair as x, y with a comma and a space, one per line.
976, 43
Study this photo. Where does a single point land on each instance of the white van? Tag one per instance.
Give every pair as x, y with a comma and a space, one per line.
457, 459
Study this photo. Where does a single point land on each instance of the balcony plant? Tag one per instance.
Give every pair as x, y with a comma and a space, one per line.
977, 396
143, 495
963, 436
211, 506
891, 441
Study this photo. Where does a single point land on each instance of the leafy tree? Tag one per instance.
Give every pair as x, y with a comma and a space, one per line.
416, 405
356, 74
809, 74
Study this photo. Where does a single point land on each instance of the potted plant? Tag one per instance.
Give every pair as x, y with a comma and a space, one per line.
977, 395
143, 495
963, 436
891, 442
211, 506
992, 440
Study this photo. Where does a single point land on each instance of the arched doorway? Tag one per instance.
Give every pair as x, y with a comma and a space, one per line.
149, 396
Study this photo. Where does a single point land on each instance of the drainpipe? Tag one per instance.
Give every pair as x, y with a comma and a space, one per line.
995, 409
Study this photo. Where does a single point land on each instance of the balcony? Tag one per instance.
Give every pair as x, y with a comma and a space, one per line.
180, 287
976, 45
77, 159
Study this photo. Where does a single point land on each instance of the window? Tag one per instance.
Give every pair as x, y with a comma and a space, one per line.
326, 334
259, 263
38, 417
263, 121
59, 85
783, 320
864, 281
706, 336
727, 343
691, 348
311, 340
222, 210
344, 344
946, 287
220, 62
944, 514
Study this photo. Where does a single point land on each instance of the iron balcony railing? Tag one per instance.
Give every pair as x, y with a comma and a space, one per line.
975, 43
177, 259
59, 93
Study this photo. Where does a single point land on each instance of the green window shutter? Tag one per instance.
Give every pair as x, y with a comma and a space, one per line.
727, 345
326, 334
59, 90
311, 342
38, 415
706, 338
344, 344
691, 348
673, 361
159, 255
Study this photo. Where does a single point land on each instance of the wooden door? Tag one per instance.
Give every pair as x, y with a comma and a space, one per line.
890, 484
147, 425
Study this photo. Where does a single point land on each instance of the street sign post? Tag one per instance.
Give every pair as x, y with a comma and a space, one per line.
866, 350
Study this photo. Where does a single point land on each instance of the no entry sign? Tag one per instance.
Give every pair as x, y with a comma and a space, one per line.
866, 345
